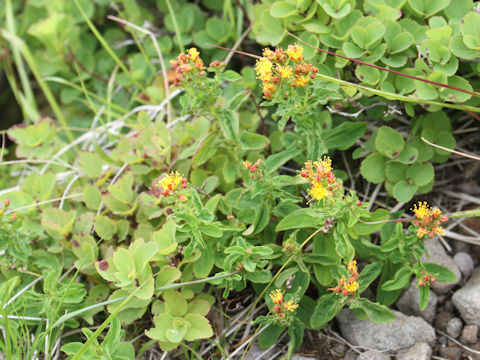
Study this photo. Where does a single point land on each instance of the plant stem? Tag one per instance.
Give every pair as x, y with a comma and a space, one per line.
175, 26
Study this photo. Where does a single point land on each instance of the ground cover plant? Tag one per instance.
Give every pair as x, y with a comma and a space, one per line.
155, 194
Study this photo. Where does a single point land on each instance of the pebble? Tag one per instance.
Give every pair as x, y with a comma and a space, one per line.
442, 319
350, 355
467, 300
465, 263
469, 334
454, 327
450, 352
419, 351
372, 355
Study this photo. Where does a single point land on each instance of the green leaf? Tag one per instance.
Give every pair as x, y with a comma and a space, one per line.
396, 171
91, 164
424, 295
389, 142
367, 74
204, 264
269, 336
427, 7
105, 227
175, 303
301, 218
165, 243
280, 9
471, 30
401, 42
343, 136
275, 161
92, 197
403, 191
252, 141
368, 275
373, 168
205, 150
377, 313
58, 223
440, 272
328, 306
199, 327
400, 280
167, 275
421, 174
230, 75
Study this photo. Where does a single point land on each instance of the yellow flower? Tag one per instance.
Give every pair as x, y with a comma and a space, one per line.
300, 81
421, 232
318, 192
295, 52
268, 89
265, 77
422, 210
276, 296
194, 54
290, 306
352, 287
352, 266
284, 71
438, 230
171, 181
269, 54
263, 66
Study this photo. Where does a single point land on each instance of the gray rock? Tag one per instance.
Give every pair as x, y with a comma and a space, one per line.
397, 335
454, 327
437, 255
419, 351
372, 355
469, 334
465, 263
467, 300
408, 303
255, 352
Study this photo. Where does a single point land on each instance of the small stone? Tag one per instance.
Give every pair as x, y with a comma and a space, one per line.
448, 306
419, 351
399, 334
465, 263
339, 349
372, 355
437, 254
469, 334
408, 303
467, 300
454, 327
442, 319
450, 352
350, 355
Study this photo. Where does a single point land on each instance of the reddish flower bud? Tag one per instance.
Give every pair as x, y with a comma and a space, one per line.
14, 216
184, 180
359, 203
184, 186
165, 192
304, 174
182, 198
6, 202
103, 265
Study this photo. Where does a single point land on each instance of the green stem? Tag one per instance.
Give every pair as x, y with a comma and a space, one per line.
393, 96
175, 26
464, 214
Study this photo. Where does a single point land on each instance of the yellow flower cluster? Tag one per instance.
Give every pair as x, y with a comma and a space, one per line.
281, 307
350, 286
429, 221
187, 66
277, 66
170, 182
323, 182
